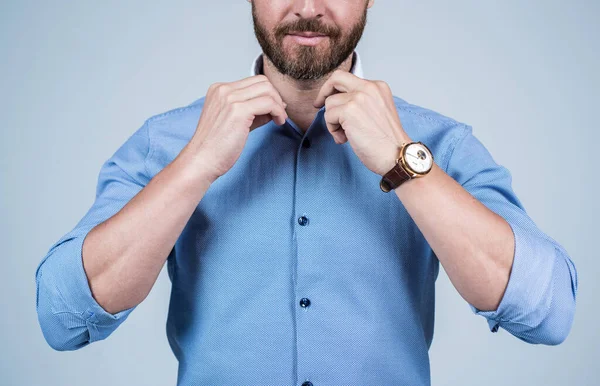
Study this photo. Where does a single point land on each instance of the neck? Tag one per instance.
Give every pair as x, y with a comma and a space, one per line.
299, 94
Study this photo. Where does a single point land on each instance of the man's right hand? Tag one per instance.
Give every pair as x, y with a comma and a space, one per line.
230, 112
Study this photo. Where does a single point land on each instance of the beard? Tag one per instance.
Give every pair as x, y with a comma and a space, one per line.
305, 62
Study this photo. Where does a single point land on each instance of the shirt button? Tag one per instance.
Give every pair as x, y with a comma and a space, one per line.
306, 143
304, 302
307, 383
302, 220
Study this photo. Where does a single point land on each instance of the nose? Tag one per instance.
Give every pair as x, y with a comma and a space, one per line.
307, 9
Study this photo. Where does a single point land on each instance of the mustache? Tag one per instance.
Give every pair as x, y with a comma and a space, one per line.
307, 25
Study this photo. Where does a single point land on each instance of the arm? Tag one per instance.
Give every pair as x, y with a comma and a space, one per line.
94, 276
501, 263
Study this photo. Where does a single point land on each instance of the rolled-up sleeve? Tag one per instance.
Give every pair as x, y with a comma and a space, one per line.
538, 305
69, 316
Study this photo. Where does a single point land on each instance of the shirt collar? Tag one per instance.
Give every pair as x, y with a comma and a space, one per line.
356, 69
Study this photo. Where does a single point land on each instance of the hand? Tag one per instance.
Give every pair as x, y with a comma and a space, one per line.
364, 114
230, 112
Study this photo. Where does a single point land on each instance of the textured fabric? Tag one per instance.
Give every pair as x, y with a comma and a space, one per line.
286, 272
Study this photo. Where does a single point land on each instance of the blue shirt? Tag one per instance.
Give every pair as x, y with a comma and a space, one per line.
295, 267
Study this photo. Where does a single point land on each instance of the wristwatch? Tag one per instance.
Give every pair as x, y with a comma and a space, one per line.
414, 161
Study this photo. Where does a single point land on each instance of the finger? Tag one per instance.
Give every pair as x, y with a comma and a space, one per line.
224, 88
254, 90
263, 105
248, 81
341, 81
337, 100
332, 120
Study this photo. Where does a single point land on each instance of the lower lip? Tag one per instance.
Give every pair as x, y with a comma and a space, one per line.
308, 41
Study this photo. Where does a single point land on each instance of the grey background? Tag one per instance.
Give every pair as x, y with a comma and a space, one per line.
77, 78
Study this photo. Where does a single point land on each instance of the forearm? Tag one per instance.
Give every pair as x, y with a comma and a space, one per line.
474, 245
124, 255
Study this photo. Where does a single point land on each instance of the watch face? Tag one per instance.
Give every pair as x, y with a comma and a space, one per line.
418, 158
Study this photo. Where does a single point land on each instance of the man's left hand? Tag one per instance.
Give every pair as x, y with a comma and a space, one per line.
363, 112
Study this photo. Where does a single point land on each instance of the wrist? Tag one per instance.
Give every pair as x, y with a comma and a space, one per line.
389, 161
197, 164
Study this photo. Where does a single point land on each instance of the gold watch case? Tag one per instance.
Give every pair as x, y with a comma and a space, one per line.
415, 158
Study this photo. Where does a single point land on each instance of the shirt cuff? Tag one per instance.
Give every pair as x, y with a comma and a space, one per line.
527, 298
74, 291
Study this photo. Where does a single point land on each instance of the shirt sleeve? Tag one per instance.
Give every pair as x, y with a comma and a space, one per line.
69, 316
538, 305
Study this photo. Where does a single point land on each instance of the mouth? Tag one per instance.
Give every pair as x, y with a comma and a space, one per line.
308, 38
307, 34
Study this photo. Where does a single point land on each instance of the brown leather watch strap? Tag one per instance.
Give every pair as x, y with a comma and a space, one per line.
392, 179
